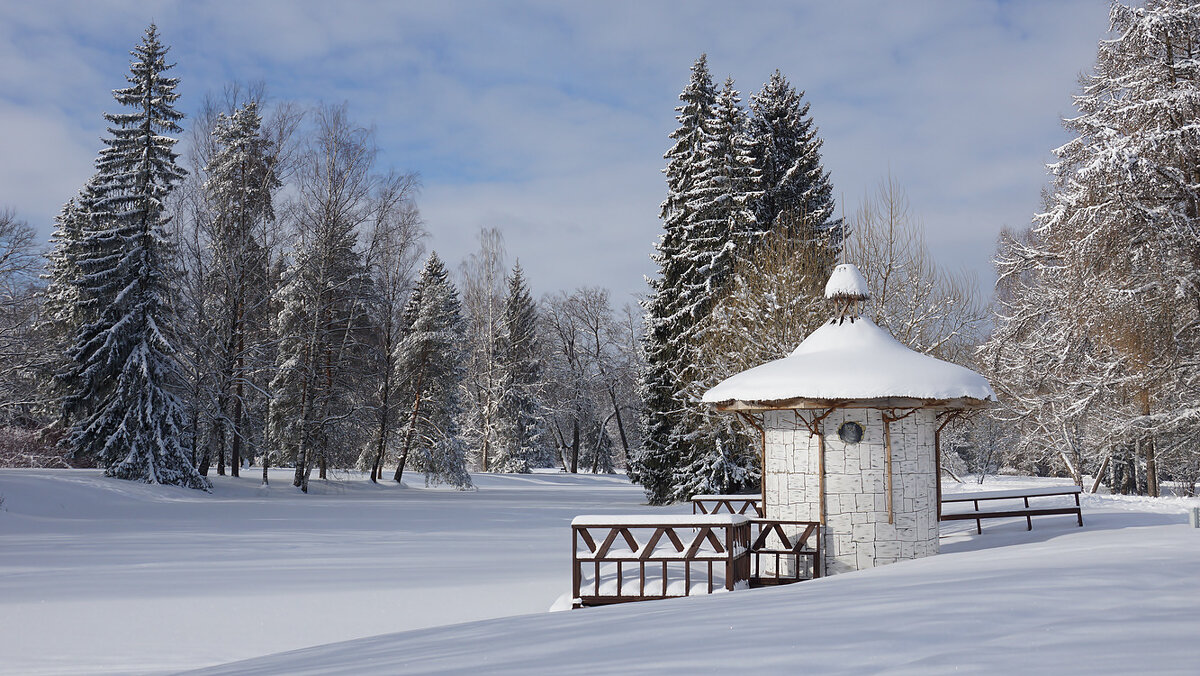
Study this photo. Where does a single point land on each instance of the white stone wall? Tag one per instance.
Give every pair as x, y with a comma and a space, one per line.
857, 532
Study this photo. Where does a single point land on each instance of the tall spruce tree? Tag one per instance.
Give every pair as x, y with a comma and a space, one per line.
431, 358
123, 365
724, 229
670, 313
787, 155
520, 434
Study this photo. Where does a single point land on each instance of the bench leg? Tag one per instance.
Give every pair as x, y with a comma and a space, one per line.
978, 522
1078, 511
1028, 519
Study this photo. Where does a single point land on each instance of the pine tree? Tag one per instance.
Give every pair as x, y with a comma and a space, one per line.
431, 357
520, 433
667, 317
123, 366
787, 154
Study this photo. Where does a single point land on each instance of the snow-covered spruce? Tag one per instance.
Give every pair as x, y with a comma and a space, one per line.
677, 435
786, 152
122, 364
430, 357
521, 437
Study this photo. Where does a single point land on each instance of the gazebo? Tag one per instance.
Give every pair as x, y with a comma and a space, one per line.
849, 423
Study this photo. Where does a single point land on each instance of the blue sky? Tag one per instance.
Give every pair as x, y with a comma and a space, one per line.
549, 119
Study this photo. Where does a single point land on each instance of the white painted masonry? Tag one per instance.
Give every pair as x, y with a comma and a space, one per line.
857, 532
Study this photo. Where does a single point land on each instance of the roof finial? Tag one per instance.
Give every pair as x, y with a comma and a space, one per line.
845, 288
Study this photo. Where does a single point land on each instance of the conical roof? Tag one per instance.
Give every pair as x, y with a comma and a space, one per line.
852, 361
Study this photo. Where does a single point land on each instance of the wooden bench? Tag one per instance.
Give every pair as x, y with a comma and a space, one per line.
1003, 511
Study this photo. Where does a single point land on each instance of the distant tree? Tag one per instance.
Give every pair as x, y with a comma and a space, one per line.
431, 358
521, 435
395, 246
241, 184
483, 305
123, 365
327, 338
22, 347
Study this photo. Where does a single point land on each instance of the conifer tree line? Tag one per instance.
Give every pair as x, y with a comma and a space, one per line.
250, 288
264, 298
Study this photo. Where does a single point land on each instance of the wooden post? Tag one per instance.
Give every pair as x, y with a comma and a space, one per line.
821, 478
937, 458
887, 448
761, 426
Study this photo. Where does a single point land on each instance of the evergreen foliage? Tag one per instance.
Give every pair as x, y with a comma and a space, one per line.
520, 428
431, 358
786, 152
122, 363
667, 316
710, 185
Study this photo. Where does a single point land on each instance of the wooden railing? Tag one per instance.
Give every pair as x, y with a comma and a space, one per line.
750, 505
784, 552
616, 559
1008, 510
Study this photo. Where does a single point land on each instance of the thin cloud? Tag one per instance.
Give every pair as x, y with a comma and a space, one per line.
549, 119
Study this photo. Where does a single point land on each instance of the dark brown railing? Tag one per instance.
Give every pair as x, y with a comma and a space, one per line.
750, 505
616, 559
784, 552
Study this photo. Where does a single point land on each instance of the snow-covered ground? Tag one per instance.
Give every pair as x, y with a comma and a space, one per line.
105, 576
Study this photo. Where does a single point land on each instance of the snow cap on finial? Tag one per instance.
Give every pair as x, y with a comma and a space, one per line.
846, 283
846, 288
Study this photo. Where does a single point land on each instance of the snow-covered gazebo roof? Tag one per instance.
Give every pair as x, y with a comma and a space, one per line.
851, 362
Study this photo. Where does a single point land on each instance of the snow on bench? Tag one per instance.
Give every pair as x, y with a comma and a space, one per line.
1004, 511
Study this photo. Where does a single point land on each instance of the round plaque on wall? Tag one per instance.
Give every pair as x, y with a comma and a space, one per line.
850, 432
